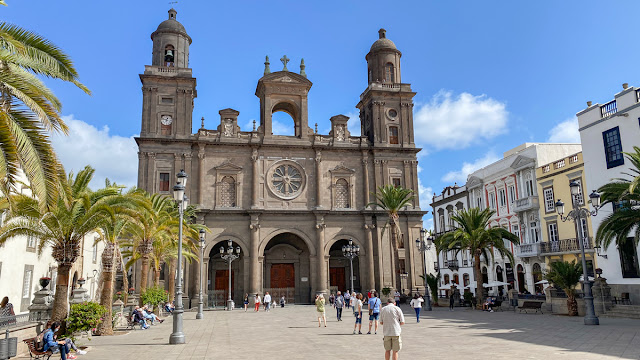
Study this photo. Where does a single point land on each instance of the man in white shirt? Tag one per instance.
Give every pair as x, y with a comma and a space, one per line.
267, 301
391, 318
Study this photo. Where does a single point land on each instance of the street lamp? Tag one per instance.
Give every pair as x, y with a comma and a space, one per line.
423, 246
351, 252
177, 337
229, 257
200, 315
576, 215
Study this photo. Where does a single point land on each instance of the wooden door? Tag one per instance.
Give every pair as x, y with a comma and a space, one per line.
283, 276
222, 282
337, 278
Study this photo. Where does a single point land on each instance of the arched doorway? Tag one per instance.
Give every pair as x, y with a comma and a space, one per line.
500, 277
537, 277
339, 269
287, 268
520, 270
218, 275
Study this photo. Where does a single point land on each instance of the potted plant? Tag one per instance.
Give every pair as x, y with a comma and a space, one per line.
44, 281
119, 295
131, 290
386, 291
81, 281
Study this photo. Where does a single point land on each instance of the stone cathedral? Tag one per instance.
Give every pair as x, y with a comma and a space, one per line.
289, 202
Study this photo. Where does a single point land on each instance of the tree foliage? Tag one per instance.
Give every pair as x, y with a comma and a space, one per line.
566, 275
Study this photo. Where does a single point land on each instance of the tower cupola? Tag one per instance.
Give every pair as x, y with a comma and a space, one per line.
171, 43
383, 60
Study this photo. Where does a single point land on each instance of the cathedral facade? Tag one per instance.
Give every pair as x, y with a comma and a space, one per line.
289, 202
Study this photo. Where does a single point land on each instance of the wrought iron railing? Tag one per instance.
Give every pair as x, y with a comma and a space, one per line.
609, 108
288, 293
527, 250
565, 245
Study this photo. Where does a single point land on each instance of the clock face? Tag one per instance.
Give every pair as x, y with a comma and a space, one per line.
166, 120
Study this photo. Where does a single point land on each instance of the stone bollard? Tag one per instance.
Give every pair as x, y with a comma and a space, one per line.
122, 317
601, 291
40, 308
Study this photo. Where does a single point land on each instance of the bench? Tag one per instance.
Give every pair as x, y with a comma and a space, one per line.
131, 324
36, 354
531, 305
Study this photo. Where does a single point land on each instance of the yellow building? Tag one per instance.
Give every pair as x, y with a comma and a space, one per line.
560, 238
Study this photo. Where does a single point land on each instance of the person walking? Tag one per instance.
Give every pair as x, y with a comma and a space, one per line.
320, 309
358, 311
267, 301
7, 313
391, 319
257, 301
396, 297
347, 299
416, 304
452, 301
246, 302
374, 311
338, 303
282, 301
353, 300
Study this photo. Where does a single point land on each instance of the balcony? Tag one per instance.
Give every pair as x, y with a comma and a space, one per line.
528, 203
451, 265
528, 250
609, 108
565, 246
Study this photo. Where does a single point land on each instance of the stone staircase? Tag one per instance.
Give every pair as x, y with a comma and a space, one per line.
624, 311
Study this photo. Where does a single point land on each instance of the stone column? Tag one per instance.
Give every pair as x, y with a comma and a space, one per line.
318, 179
151, 172
322, 286
255, 180
408, 184
416, 186
376, 174
201, 176
371, 280
188, 169
385, 172
254, 266
142, 163
365, 180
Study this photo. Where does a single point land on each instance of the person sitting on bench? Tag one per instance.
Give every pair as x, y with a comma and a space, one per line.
138, 318
488, 304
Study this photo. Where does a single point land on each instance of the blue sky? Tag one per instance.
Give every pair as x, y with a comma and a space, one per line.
489, 75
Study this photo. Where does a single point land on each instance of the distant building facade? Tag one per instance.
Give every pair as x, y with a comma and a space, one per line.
289, 202
607, 131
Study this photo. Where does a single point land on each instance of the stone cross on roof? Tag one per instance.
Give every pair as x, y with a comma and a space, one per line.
285, 60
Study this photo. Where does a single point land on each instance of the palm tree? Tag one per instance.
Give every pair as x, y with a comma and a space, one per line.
473, 234
624, 193
566, 276
78, 212
392, 199
29, 110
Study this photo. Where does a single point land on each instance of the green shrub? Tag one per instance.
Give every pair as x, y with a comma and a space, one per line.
386, 291
84, 317
154, 296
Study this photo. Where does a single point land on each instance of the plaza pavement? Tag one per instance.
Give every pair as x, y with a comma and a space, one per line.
293, 333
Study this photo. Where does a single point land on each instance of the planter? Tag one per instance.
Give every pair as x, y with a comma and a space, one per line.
44, 282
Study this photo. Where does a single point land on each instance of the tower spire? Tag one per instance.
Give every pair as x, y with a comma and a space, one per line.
267, 70
302, 67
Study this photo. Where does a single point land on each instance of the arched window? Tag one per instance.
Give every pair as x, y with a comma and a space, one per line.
389, 73
393, 135
228, 192
537, 277
456, 279
465, 280
169, 55
446, 278
342, 194
485, 276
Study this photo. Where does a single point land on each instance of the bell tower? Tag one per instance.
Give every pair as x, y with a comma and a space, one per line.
168, 86
386, 106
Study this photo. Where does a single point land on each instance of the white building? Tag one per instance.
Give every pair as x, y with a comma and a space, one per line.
606, 131
508, 186
454, 268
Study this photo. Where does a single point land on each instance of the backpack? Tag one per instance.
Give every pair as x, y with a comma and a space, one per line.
39, 341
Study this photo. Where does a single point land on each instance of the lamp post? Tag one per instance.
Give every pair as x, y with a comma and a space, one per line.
177, 337
200, 315
423, 246
351, 252
577, 214
229, 257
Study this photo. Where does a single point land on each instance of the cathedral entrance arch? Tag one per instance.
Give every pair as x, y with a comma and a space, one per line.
218, 276
287, 270
339, 269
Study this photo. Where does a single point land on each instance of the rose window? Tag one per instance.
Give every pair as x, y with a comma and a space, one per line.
286, 180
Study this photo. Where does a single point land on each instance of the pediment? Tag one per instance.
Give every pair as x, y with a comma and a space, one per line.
229, 166
341, 169
286, 77
522, 162
473, 181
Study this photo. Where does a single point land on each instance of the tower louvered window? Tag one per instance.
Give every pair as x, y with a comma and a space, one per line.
342, 194
388, 73
228, 192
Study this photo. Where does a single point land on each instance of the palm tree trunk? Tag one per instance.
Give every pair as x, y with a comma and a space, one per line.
156, 279
478, 275
172, 279
396, 257
144, 274
106, 296
572, 305
61, 297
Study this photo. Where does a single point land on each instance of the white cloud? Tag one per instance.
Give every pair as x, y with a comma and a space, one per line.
456, 122
354, 123
427, 224
565, 132
279, 128
460, 176
426, 195
112, 156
